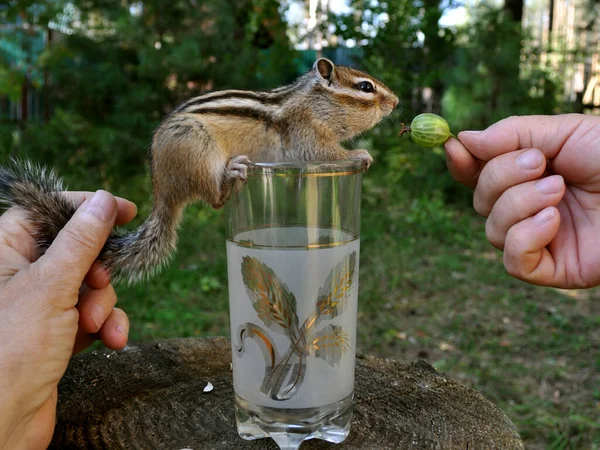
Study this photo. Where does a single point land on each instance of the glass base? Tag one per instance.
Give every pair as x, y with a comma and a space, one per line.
290, 427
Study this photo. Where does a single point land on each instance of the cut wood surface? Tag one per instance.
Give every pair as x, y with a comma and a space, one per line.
150, 396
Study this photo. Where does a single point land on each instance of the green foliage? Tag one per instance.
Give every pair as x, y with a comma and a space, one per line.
393, 50
119, 68
11, 82
487, 81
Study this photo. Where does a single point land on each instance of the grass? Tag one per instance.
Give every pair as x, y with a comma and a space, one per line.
430, 287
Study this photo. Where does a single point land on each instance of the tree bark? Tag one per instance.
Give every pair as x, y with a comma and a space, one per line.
151, 396
515, 9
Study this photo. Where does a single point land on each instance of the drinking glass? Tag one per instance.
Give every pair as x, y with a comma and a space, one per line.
293, 259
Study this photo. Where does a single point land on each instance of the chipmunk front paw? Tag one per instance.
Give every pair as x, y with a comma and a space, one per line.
362, 155
237, 168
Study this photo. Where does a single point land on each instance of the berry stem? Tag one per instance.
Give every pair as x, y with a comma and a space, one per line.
404, 129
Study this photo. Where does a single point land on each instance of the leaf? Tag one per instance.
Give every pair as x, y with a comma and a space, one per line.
271, 298
329, 344
332, 297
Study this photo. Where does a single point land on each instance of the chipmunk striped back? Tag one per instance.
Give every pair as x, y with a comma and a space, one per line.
335, 87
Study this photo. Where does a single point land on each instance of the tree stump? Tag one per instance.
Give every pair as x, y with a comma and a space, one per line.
150, 396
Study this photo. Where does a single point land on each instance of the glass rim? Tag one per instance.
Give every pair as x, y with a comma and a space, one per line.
302, 168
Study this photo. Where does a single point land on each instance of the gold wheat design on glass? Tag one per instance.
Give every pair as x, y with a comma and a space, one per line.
275, 305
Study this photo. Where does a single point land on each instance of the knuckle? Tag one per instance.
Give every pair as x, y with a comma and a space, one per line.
104, 298
493, 171
509, 122
71, 317
40, 274
492, 234
492, 177
111, 296
83, 237
513, 118
60, 332
510, 200
515, 201
513, 255
513, 268
511, 204
479, 204
43, 278
486, 192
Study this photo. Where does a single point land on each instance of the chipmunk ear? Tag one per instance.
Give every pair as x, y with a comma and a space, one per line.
325, 69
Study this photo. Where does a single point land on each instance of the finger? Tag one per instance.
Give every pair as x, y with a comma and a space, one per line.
97, 277
503, 172
78, 244
82, 341
525, 254
547, 133
115, 331
127, 210
520, 202
463, 166
94, 308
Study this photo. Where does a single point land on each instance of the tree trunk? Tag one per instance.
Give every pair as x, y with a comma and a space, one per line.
515, 9
151, 397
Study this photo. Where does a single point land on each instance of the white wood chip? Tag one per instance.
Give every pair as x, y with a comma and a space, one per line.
208, 387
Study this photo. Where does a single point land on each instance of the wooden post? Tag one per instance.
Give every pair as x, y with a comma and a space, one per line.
151, 397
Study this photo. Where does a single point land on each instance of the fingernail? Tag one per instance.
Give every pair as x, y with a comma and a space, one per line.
549, 185
101, 205
97, 315
472, 132
121, 329
544, 215
529, 160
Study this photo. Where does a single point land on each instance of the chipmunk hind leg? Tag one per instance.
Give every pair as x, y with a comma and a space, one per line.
189, 164
232, 178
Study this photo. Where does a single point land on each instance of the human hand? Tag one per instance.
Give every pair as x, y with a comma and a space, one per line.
537, 180
46, 315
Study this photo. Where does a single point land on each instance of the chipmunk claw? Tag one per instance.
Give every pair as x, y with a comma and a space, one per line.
234, 177
237, 168
364, 156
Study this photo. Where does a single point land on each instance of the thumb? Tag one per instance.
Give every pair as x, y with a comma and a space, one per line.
78, 244
546, 133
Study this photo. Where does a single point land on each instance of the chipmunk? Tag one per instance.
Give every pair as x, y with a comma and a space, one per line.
202, 149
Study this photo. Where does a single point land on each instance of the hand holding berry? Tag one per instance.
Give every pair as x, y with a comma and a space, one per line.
537, 180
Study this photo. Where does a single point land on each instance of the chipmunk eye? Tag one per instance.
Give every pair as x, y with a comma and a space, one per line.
365, 86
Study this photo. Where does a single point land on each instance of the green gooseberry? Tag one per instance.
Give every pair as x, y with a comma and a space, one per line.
428, 130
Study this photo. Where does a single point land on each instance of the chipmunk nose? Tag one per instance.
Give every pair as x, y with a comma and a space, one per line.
395, 102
